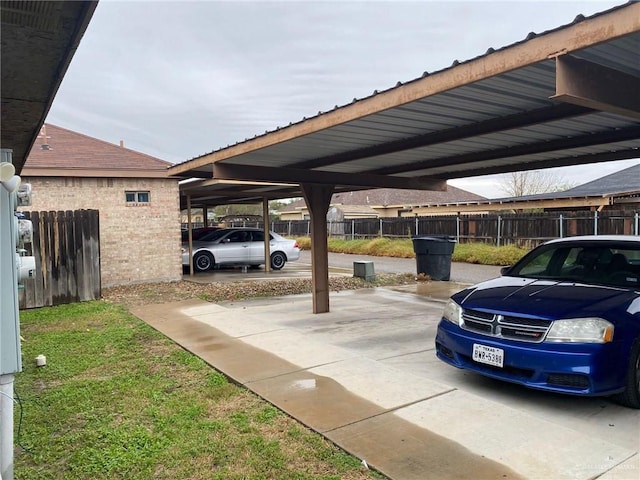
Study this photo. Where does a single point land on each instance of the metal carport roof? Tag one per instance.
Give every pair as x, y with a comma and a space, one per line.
39, 40
567, 96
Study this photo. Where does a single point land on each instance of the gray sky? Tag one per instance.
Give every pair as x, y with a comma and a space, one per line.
179, 79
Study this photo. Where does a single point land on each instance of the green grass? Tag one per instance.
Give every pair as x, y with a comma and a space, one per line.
117, 400
481, 253
487, 254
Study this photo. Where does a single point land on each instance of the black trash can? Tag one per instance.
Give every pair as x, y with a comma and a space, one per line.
433, 256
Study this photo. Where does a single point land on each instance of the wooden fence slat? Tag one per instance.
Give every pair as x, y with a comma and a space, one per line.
82, 280
72, 278
66, 247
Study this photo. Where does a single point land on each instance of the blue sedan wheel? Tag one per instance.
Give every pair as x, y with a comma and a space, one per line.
631, 396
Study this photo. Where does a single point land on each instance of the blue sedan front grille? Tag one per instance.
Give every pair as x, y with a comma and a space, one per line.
530, 330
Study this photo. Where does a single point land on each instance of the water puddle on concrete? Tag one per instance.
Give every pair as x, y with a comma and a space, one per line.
388, 443
306, 384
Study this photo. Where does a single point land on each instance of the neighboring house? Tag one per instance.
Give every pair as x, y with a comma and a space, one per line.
138, 203
617, 191
380, 203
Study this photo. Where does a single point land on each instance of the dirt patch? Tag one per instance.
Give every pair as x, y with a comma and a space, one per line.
152, 293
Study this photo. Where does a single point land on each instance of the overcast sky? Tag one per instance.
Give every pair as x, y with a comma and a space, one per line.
180, 79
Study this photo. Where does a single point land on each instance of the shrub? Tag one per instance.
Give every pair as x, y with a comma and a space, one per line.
481, 253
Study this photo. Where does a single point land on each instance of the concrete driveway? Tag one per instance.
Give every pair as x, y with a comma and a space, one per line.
342, 264
365, 376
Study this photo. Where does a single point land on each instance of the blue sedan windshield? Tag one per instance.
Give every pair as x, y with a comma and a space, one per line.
594, 264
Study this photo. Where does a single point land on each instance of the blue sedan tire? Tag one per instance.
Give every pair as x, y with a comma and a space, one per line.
631, 396
203, 261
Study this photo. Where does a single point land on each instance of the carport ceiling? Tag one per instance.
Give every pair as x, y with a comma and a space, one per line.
564, 97
39, 40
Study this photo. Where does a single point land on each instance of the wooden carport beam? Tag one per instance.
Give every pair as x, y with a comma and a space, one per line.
588, 84
228, 171
318, 198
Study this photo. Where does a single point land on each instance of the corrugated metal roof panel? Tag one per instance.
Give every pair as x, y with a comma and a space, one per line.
488, 114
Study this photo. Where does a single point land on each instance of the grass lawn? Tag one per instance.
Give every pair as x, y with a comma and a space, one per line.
480, 253
117, 400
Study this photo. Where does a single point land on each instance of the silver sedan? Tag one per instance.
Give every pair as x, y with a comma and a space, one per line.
239, 246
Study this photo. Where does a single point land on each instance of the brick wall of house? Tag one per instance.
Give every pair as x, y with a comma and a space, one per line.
138, 242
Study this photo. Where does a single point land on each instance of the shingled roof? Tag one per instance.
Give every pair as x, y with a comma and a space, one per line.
622, 181
61, 152
388, 197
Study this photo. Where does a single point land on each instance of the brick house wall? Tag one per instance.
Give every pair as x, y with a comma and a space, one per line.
139, 242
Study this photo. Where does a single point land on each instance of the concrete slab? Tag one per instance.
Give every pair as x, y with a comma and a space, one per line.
596, 417
387, 387
365, 376
377, 323
232, 325
404, 451
624, 471
530, 445
239, 361
295, 348
319, 402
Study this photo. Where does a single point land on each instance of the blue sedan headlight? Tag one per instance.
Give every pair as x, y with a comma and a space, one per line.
581, 330
453, 312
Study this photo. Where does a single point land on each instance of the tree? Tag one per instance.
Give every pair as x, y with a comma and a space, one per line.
251, 209
238, 209
533, 182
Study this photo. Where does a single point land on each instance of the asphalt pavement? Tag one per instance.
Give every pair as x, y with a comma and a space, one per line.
365, 376
465, 273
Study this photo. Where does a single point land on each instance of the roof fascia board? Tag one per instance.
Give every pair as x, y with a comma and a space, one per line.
106, 173
493, 206
222, 194
217, 182
617, 201
589, 32
587, 84
317, 177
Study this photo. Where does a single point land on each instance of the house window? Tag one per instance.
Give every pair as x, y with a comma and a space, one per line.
136, 197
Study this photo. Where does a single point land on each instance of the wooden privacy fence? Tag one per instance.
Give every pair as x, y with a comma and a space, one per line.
522, 229
66, 247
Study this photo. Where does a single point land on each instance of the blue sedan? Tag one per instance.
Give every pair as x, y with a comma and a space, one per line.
565, 318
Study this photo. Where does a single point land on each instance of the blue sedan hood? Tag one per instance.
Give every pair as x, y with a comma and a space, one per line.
547, 298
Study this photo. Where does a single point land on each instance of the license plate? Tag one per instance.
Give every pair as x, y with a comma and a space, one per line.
488, 355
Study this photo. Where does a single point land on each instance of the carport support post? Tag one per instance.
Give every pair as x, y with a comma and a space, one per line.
318, 198
190, 235
265, 226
